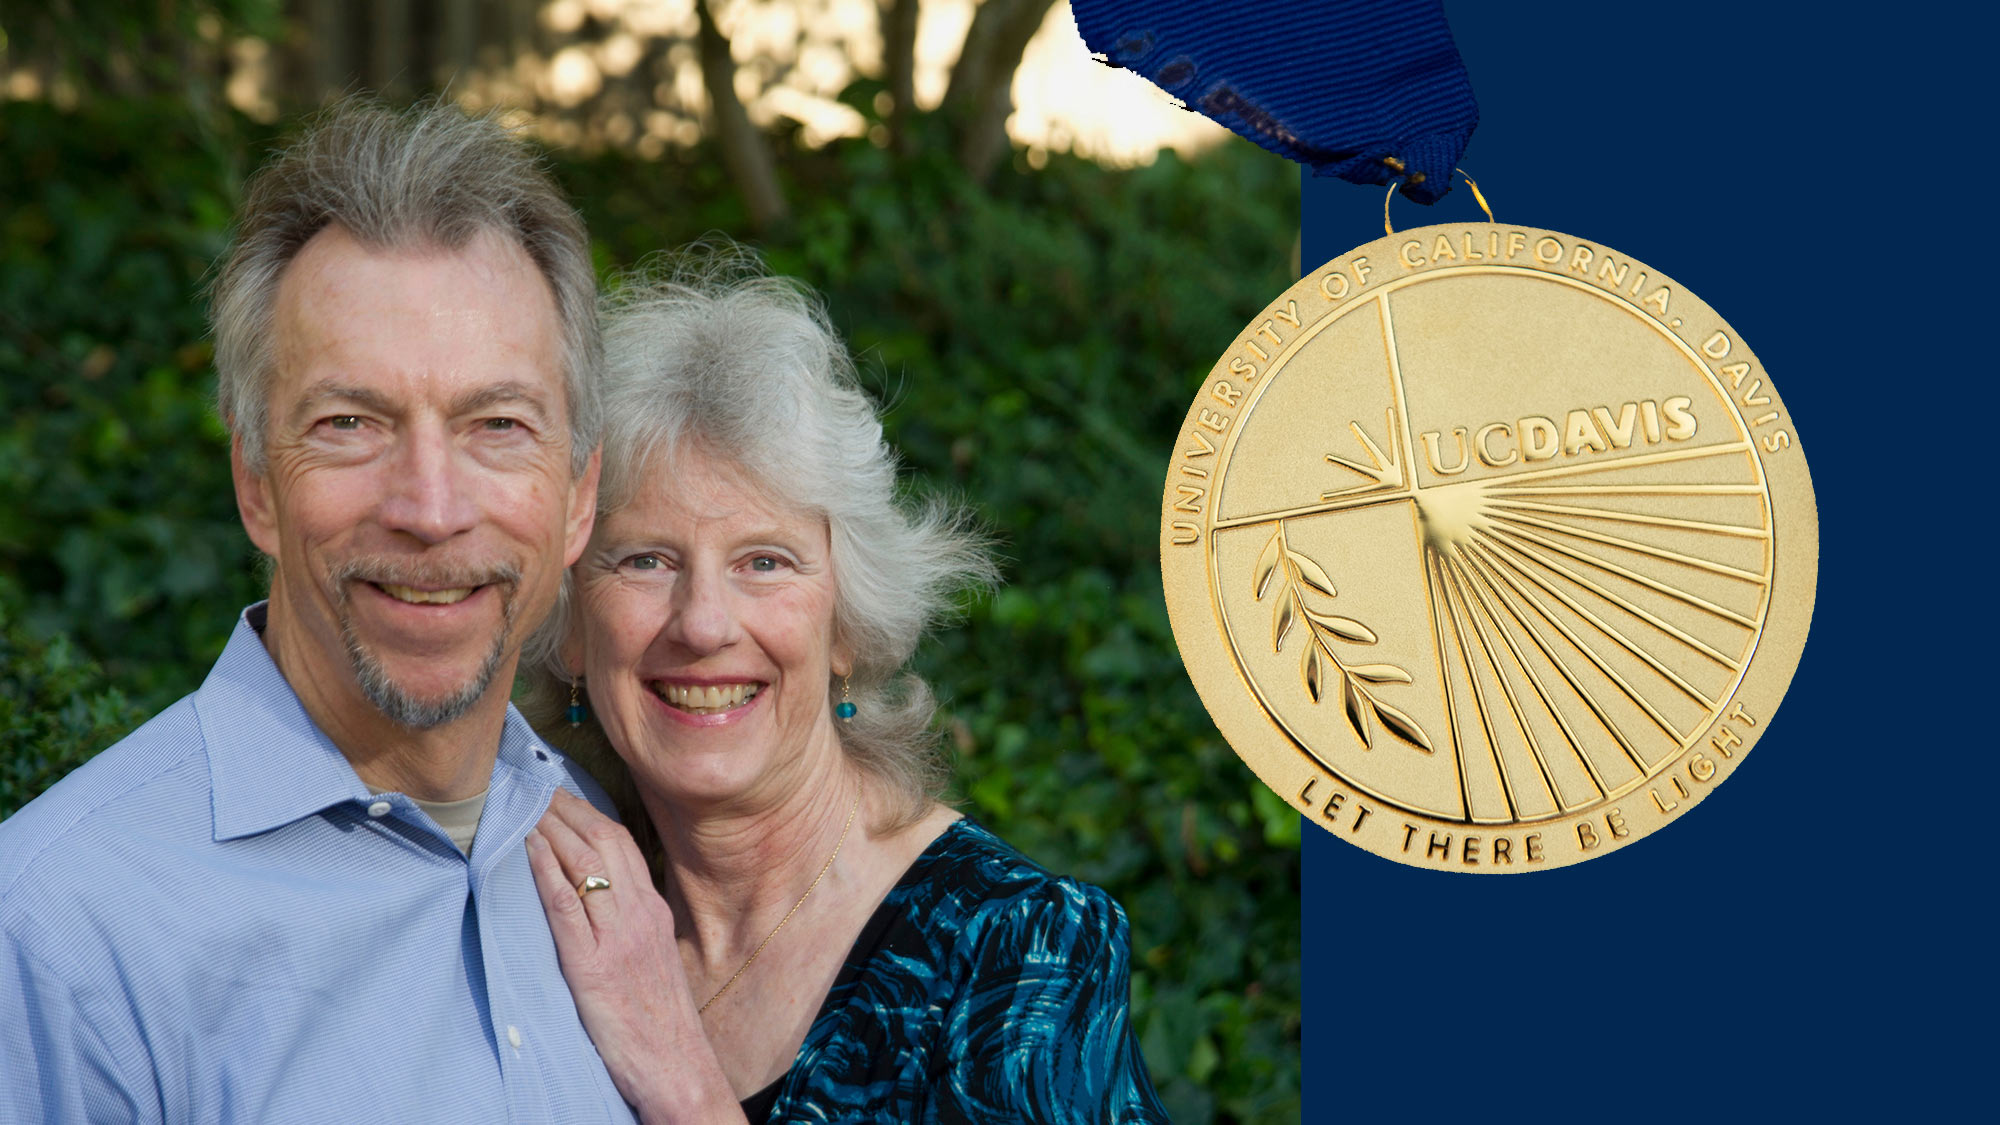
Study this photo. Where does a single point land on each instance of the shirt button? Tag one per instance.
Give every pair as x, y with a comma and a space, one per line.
379, 809
514, 1035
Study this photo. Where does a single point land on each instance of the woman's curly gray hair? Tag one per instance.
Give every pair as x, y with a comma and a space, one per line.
706, 352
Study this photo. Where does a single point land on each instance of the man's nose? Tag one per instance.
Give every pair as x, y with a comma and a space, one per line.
431, 491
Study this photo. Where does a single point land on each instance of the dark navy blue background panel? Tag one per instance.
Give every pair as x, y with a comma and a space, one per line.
1811, 942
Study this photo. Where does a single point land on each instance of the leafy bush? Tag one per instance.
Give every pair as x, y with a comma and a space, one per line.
56, 710
119, 526
1037, 341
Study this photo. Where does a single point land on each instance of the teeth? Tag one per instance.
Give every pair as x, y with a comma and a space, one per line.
703, 699
425, 597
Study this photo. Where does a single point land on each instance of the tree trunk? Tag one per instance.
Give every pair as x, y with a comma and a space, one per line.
899, 58
968, 74
986, 68
745, 150
388, 47
523, 34
458, 47
329, 61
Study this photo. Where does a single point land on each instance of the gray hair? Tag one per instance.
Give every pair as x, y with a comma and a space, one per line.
709, 354
427, 177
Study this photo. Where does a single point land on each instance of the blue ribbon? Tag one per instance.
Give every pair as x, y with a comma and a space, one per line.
1371, 91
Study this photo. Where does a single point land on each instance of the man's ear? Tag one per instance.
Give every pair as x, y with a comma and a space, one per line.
253, 500
582, 509
570, 652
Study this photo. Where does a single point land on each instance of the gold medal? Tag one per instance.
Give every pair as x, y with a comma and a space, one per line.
1489, 548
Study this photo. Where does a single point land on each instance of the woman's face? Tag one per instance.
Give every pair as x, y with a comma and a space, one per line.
706, 635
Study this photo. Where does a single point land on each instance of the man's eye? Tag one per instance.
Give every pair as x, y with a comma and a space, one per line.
345, 421
502, 425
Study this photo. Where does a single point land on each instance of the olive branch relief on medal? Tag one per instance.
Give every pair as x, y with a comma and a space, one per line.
1364, 710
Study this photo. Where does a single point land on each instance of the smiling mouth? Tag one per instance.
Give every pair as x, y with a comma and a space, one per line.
706, 699
414, 596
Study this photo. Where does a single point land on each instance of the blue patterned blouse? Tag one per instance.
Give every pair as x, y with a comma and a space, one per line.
983, 989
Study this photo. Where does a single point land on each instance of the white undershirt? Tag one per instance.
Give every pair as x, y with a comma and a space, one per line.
459, 819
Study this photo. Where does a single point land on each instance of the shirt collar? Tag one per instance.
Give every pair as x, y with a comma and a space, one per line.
270, 765
524, 752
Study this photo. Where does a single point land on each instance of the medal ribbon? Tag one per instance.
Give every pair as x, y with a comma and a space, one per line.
1371, 91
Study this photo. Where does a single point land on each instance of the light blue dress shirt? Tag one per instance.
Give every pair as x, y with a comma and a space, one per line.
214, 921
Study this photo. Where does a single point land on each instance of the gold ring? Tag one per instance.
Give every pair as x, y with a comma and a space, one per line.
592, 883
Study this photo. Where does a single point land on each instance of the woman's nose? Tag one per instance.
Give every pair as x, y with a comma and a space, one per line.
703, 616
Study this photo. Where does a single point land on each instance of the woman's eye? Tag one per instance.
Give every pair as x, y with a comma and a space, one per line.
644, 562
764, 564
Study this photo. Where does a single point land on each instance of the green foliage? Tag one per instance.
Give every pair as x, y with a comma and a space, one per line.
119, 526
1037, 342
162, 47
56, 709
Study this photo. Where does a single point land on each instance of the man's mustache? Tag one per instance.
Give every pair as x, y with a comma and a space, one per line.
426, 574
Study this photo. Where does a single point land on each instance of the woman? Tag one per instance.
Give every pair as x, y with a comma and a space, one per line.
833, 943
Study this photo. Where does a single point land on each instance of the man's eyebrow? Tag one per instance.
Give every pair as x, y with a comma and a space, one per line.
328, 391
509, 393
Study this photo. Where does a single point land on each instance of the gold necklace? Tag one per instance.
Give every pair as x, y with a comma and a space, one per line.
823, 869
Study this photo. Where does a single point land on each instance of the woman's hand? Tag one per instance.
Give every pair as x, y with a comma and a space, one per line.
618, 955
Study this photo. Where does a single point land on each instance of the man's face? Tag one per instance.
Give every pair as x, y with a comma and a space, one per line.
417, 497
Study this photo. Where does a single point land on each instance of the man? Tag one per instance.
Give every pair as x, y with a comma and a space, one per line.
301, 892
